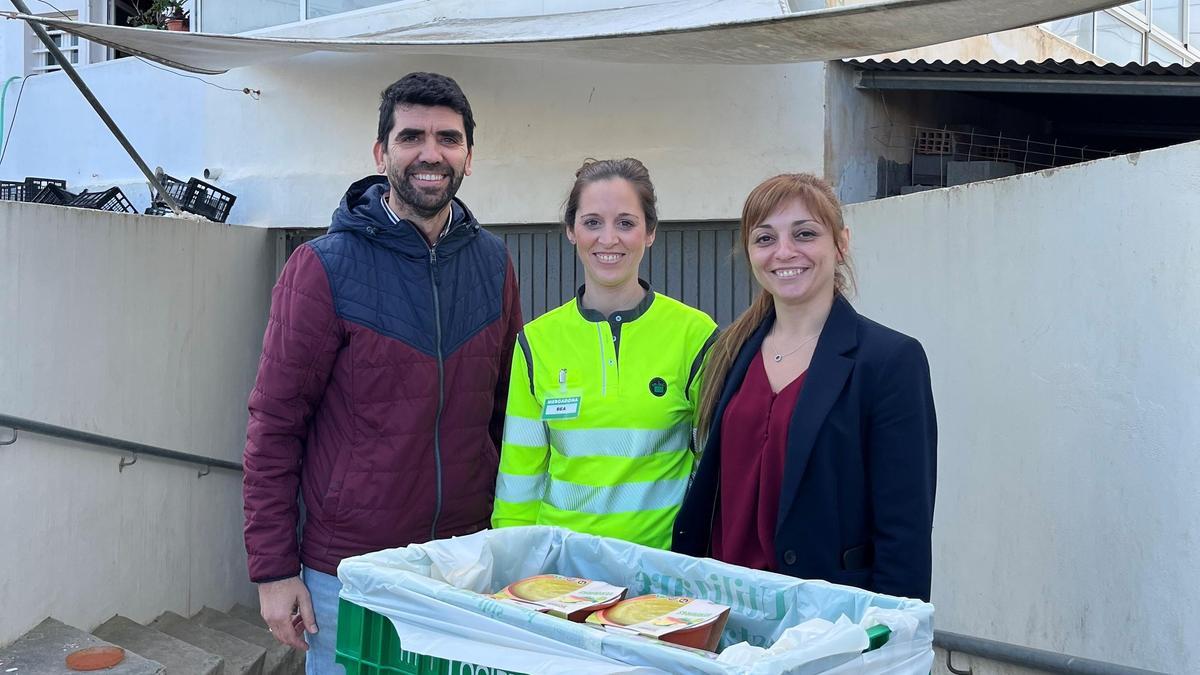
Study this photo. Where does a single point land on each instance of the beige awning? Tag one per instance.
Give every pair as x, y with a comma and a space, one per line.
685, 32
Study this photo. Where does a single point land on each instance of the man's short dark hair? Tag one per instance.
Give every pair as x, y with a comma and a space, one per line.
428, 89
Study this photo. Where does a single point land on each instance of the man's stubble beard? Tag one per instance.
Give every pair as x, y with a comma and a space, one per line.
421, 203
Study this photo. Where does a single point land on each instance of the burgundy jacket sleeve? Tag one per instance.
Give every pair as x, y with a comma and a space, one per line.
301, 342
511, 318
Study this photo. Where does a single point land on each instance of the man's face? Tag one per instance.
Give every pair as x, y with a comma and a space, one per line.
425, 158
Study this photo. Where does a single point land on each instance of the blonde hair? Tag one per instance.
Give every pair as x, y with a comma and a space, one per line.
818, 197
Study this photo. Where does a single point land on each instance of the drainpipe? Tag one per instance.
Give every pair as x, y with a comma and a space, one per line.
3, 96
67, 68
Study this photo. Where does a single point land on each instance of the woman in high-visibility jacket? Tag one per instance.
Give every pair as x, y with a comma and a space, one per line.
598, 430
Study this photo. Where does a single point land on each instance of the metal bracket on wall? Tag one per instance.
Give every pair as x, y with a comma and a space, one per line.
123, 464
201, 474
11, 440
950, 665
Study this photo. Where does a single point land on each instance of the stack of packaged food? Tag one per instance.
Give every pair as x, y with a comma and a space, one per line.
678, 621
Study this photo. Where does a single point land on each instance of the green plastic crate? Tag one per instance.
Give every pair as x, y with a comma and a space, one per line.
367, 645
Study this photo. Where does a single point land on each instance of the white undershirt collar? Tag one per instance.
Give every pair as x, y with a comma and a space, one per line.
396, 219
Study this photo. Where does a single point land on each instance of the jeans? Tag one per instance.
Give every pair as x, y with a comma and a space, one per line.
324, 590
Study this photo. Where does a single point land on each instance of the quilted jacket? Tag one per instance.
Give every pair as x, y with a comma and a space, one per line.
380, 391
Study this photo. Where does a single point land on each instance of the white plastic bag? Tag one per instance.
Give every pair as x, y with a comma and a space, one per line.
434, 595
808, 642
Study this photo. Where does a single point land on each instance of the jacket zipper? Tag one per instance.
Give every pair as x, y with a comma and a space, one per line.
603, 363
441, 365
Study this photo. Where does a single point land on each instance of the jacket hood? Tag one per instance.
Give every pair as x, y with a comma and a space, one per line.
362, 211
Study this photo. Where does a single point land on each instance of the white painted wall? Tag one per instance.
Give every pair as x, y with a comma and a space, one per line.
11, 48
14, 35
140, 328
1060, 311
708, 134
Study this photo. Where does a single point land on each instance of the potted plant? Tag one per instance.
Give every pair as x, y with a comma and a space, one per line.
177, 18
161, 14
148, 17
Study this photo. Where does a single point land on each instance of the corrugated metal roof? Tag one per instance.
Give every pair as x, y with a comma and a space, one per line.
1047, 67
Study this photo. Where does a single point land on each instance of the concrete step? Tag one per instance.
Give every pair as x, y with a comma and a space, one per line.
241, 657
179, 657
250, 615
44, 649
280, 659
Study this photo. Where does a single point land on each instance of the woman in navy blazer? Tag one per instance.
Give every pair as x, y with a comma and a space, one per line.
817, 424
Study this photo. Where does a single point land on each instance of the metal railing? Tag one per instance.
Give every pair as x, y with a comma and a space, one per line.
1026, 657
108, 443
971, 144
941, 157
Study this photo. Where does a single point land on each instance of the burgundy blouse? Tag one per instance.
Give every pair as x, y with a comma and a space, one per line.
753, 451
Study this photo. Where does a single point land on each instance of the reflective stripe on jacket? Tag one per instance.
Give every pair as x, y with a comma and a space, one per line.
621, 466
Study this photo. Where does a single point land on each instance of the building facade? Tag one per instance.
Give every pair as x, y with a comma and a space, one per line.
1148, 31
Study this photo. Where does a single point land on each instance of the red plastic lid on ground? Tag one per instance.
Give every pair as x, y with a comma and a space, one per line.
95, 658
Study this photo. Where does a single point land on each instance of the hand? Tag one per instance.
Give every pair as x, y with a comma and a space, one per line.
287, 609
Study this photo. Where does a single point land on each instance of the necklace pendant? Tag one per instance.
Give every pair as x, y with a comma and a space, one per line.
778, 358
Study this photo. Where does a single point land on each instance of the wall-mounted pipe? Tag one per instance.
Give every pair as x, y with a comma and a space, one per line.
3, 107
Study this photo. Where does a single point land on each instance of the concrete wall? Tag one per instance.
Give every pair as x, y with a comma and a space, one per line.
13, 36
1060, 312
708, 134
145, 329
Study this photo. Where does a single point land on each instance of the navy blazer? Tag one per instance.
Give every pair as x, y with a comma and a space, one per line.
856, 506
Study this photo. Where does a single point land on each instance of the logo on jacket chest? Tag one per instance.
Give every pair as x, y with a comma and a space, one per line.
658, 387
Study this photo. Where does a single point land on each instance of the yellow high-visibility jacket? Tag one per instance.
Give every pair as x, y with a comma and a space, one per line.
598, 431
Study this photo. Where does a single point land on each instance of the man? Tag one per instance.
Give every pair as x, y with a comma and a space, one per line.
384, 372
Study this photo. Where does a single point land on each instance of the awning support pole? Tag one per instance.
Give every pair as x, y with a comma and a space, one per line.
67, 68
